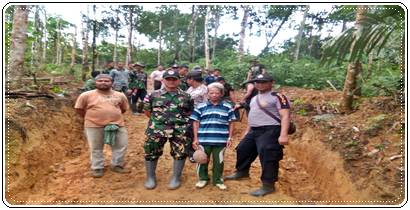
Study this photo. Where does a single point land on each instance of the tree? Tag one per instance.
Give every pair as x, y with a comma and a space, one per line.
207, 62
84, 35
18, 43
112, 18
244, 23
300, 34
371, 33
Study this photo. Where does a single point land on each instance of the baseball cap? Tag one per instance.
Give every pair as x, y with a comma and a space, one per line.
170, 73
262, 78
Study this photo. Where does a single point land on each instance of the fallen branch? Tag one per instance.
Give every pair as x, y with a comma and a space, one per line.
27, 94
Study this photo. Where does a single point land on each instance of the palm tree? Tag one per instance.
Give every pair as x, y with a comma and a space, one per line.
370, 34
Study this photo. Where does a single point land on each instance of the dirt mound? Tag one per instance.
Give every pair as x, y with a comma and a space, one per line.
327, 162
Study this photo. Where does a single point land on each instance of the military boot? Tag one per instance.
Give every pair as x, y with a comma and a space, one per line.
150, 182
264, 190
238, 175
176, 176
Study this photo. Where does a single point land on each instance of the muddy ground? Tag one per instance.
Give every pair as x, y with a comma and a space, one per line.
333, 159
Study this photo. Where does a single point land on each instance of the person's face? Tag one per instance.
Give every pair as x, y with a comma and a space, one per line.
103, 84
190, 82
263, 86
217, 73
161, 68
214, 94
183, 71
171, 83
120, 65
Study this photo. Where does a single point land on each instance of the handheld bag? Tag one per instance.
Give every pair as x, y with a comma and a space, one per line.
292, 125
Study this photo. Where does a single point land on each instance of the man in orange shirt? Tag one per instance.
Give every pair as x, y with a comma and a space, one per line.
102, 110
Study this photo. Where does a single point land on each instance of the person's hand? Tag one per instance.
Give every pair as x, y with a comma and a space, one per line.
195, 144
129, 91
229, 143
237, 106
283, 140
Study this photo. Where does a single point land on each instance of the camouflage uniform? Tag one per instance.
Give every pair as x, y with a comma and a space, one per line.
184, 84
169, 117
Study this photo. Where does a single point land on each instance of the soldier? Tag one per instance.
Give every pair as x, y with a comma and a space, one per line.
168, 110
138, 86
183, 70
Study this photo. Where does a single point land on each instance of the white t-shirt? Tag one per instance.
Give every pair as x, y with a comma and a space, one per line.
157, 75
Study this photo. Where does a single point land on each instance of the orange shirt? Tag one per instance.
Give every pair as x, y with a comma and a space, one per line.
102, 109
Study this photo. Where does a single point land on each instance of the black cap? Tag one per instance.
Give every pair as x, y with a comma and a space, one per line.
174, 65
262, 78
170, 73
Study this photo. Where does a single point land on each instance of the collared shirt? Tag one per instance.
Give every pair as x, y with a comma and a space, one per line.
272, 102
120, 78
213, 122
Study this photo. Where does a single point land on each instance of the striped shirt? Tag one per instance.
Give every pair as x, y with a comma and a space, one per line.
213, 122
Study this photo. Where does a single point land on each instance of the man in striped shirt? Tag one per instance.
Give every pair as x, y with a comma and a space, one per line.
213, 130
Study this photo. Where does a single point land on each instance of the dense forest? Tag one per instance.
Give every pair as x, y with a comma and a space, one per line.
364, 59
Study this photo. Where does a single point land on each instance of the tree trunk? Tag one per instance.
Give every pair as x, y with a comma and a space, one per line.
58, 44
94, 44
18, 43
217, 18
244, 23
44, 56
35, 45
129, 47
191, 32
206, 41
159, 42
73, 49
85, 66
353, 69
300, 34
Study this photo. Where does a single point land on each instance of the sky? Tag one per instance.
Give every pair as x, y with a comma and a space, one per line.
254, 44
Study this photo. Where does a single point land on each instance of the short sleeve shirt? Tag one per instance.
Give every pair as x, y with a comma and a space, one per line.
102, 109
272, 102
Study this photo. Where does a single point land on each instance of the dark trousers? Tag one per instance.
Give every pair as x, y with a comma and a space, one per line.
139, 94
262, 141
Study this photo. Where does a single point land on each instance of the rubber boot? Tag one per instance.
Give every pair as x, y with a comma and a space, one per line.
176, 176
264, 190
150, 182
238, 175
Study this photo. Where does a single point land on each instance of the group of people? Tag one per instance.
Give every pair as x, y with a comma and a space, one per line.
192, 114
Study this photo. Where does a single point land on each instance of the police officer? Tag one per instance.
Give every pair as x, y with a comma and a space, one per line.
168, 110
264, 135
